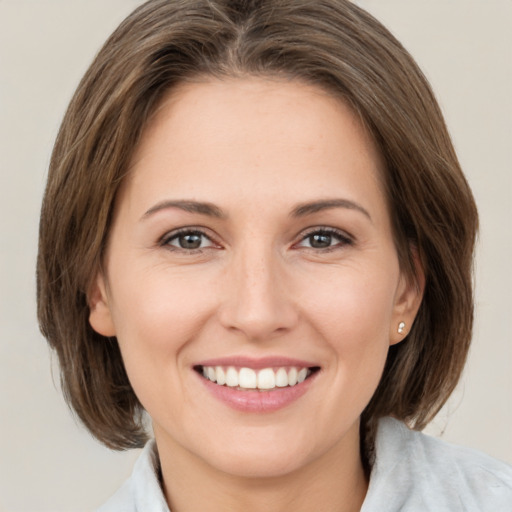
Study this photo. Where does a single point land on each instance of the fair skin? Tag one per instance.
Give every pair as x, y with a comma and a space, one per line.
285, 253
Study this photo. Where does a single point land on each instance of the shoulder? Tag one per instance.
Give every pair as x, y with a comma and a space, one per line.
414, 471
142, 491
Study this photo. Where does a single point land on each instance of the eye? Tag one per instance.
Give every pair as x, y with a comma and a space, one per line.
187, 240
325, 238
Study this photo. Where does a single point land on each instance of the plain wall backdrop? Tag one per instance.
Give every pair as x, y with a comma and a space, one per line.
49, 463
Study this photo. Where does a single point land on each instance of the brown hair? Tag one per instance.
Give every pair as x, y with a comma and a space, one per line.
329, 43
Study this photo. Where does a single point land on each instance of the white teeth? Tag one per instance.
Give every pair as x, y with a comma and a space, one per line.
281, 378
247, 378
231, 377
292, 377
221, 376
266, 379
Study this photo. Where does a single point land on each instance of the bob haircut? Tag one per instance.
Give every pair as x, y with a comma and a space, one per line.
331, 44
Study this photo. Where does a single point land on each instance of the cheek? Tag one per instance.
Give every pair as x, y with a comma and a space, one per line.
353, 314
156, 317
158, 305
351, 306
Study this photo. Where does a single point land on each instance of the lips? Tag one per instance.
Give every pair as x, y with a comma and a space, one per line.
263, 379
257, 385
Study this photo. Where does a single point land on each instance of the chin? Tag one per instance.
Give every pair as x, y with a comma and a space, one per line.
265, 464
257, 454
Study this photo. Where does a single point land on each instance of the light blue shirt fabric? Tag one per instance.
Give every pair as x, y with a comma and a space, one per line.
412, 473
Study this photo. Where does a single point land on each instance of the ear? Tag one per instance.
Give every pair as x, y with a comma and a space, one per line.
407, 301
100, 316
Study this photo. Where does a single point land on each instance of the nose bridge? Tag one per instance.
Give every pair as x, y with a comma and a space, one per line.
257, 303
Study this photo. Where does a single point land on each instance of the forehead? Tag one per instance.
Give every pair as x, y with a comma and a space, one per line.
250, 135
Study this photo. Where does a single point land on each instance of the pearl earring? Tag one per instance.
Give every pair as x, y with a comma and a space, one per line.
401, 327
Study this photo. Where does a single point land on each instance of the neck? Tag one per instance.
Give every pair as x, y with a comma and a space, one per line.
334, 482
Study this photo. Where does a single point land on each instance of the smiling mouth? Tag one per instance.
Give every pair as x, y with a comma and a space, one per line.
264, 379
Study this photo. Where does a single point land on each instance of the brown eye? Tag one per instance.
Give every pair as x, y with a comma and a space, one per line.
320, 240
188, 241
325, 239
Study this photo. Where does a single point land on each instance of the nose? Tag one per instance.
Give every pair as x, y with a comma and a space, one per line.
257, 296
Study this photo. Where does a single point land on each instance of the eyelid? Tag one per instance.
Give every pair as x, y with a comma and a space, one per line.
344, 237
198, 230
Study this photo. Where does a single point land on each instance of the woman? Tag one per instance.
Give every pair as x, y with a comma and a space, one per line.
264, 240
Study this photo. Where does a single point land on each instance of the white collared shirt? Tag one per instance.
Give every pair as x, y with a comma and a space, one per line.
413, 472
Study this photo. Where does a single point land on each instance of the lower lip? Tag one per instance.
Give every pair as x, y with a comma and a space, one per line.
258, 401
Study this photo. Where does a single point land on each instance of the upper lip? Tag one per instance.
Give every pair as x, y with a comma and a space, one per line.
257, 363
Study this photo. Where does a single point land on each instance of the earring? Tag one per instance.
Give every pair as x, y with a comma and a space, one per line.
401, 327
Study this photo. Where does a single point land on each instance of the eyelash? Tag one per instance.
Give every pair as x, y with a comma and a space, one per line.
342, 237
174, 235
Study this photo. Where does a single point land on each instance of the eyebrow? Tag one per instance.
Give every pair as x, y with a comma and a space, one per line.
317, 206
187, 206
211, 210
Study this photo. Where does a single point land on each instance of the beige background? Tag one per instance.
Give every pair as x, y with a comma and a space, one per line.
47, 462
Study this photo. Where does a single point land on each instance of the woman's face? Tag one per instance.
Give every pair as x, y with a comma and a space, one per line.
252, 244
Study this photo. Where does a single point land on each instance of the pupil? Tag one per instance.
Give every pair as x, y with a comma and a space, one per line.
320, 240
191, 241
